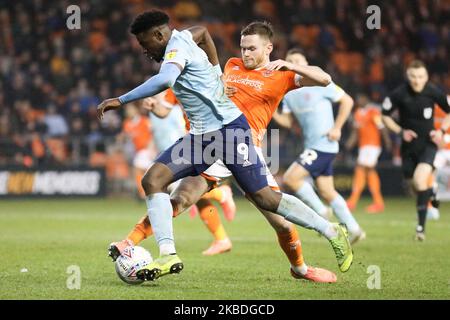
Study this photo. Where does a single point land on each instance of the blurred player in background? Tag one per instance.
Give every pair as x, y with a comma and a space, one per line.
441, 161
368, 129
312, 107
415, 102
137, 128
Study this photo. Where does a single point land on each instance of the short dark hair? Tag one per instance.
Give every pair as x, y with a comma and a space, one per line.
416, 64
261, 28
295, 51
147, 20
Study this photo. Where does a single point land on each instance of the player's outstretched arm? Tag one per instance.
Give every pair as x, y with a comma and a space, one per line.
310, 75
163, 80
203, 39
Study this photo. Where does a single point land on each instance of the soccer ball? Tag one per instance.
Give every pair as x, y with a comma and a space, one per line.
131, 260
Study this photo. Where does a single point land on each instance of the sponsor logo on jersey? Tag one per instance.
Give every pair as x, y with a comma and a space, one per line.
171, 54
428, 112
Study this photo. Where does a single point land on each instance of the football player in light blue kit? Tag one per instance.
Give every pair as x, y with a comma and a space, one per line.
168, 124
312, 108
198, 87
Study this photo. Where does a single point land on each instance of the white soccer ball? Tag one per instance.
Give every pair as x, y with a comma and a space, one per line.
132, 259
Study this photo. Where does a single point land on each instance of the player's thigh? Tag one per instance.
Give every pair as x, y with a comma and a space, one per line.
325, 186
189, 191
421, 176
294, 176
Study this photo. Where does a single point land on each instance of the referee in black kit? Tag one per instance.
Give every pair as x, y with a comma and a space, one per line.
415, 102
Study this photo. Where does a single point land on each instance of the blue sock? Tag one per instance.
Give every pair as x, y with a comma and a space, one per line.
159, 211
344, 215
295, 211
306, 194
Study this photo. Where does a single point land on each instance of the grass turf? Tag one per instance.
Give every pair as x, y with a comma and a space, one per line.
48, 236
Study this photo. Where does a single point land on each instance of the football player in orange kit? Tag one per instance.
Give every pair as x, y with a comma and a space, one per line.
368, 130
442, 159
136, 127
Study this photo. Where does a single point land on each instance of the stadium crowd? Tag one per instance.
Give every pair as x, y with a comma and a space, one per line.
52, 78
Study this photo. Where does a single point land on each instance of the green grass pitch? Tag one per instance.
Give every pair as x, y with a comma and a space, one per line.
48, 236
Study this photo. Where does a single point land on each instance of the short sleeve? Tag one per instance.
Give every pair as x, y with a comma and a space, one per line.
177, 51
291, 80
334, 92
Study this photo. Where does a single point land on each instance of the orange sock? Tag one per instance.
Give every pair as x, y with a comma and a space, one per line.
211, 219
359, 182
141, 231
373, 181
214, 194
291, 245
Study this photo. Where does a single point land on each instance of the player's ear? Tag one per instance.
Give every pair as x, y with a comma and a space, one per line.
269, 47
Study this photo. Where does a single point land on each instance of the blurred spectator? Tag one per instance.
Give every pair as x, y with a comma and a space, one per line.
52, 78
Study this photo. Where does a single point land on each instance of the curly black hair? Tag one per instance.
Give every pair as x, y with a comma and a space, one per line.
148, 20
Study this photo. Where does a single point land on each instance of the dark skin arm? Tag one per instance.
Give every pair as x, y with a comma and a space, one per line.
203, 39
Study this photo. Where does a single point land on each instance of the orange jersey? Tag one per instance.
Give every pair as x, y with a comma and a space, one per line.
139, 131
439, 116
368, 121
259, 92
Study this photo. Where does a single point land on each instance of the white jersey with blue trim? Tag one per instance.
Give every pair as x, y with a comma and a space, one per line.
313, 109
199, 88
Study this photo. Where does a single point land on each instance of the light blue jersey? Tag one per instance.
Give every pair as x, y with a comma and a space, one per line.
312, 107
199, 88
166, 131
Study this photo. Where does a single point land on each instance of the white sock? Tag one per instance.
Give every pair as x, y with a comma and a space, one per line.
159, 211
303, 269
295, 211
344, 215
307, 194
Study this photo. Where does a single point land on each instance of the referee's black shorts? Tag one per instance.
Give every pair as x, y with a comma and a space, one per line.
415, 153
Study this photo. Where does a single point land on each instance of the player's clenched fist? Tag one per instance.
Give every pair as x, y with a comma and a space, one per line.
106, 105
408, 135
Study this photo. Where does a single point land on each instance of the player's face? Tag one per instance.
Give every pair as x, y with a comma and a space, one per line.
153, 43
297, 59
255, 51
417, 78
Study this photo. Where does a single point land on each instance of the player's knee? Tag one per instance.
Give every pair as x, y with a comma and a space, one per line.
266, 199
328, 195
288, 183
151, 184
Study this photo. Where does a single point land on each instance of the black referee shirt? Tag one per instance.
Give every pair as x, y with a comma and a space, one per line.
416, 110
